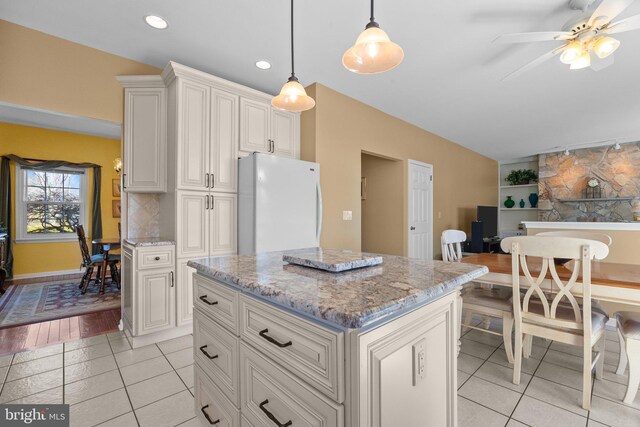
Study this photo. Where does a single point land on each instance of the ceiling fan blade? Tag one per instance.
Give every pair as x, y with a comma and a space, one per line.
542, 36
598, 64
547, 56
628, 24
610, 9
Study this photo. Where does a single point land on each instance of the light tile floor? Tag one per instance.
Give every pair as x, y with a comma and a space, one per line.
108, 384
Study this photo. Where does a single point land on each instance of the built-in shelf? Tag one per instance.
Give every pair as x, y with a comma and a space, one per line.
535, 184
599, 199
518, 209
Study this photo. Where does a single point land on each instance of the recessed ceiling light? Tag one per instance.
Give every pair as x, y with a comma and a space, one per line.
156, 22
263, 65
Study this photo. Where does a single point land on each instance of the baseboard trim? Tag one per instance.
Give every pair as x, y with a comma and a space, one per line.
45, 274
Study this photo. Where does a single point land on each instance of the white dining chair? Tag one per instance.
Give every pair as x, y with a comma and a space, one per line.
540, 313
579, 234
628, 324
487, 302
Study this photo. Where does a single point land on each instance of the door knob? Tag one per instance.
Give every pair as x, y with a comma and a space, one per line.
412, 228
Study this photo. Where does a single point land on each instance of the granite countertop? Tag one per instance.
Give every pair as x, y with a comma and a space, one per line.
148, 241
350, 299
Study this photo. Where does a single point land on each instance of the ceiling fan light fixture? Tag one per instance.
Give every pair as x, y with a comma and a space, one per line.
605, 46
374, 52
293, 97
583, 60
571, 52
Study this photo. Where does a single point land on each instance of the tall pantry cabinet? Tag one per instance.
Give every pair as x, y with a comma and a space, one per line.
208, 122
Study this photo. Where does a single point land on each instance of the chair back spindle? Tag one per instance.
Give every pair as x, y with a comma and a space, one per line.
84, 248
451, 244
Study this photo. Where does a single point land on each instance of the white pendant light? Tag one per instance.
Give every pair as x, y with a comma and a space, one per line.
373, 52
583, 60
292, 96
605, 46
571, 52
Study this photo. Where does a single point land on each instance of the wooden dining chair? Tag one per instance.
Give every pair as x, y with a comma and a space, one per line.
539, 312
488, 302
98, 261
628, 325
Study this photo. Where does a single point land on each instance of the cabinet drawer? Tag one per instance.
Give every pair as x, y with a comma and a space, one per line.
210, 401
310, 351
268, 392
216, 351
216, 301
161, 257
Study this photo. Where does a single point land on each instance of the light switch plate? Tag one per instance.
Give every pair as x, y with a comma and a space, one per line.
419, 361
347, 215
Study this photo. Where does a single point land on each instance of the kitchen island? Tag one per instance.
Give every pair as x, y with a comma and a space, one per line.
278, 344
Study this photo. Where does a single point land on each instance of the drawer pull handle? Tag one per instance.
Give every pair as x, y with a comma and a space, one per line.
263, 334
202, 349
207, 415
273, 417
157, 258
203, 298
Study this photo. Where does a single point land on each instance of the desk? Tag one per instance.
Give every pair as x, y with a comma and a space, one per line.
619, 283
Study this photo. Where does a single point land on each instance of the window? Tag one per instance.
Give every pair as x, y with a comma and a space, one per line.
50, 203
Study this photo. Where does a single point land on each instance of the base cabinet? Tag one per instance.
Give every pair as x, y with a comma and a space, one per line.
266, 366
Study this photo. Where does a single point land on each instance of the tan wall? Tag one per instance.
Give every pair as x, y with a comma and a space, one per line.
623, 249
43, 71
382, 213
339, 129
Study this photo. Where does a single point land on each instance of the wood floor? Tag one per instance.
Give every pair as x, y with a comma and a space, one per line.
18, 338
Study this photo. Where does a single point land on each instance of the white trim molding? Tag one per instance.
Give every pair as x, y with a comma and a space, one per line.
45, 274
625, 226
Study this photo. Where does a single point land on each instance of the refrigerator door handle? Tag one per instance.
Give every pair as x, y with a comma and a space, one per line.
318, 211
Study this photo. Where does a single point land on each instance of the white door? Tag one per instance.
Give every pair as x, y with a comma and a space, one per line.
420, 210
224, 141
184, 292
283, 133
193, 136
156, 296
223, 224
193, 224
254, 125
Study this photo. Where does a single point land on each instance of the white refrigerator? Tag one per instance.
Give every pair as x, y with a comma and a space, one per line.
279, 204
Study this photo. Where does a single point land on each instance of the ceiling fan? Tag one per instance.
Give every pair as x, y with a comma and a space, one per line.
586, 38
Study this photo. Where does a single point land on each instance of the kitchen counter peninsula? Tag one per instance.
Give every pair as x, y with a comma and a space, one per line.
373, 346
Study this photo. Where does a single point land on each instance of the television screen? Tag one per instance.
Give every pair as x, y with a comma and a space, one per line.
489, 217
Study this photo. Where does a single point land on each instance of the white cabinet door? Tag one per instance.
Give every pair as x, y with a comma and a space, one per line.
192, 224
156, 301
223, 224
224, 141
284, 133
184, 293
254, 125
193, 136
145, 140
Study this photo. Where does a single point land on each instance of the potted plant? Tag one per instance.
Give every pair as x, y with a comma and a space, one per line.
521, 176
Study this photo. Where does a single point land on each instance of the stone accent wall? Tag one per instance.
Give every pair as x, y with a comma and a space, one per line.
566, 177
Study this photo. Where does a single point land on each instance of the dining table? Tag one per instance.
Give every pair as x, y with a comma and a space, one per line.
612, 282
107, 244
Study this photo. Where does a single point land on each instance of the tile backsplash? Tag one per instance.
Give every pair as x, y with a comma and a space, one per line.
143, 215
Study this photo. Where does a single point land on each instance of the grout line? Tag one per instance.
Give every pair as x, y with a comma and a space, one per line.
5, 376
486, 407
124, 385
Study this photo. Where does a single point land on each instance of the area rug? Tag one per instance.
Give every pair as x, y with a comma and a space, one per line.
38, 302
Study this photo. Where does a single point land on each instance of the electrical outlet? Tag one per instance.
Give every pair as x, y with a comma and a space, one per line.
347, 215
419, 361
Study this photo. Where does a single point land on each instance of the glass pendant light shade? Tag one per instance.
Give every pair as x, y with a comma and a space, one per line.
373, 53
293, 97
583, 60
571, 52
605, 46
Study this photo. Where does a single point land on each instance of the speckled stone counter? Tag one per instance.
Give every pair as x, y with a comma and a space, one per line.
148, 241
351, 299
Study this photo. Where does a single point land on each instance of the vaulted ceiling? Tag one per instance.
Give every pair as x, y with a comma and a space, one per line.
449, 83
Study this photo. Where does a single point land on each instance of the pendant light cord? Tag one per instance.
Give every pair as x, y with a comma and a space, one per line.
292, 61
372, 19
